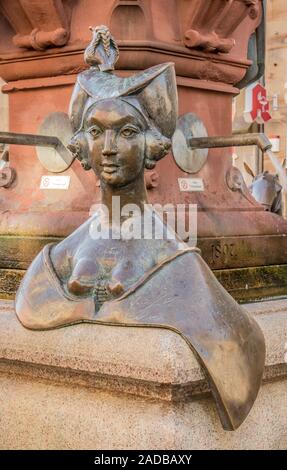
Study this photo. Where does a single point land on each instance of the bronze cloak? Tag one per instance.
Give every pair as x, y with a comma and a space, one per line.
180, 294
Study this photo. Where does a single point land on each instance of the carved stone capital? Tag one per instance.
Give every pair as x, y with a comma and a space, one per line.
38, 24
212, 23
206, 39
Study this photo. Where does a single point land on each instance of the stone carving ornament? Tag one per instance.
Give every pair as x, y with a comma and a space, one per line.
38, 24
225, 16
122, 126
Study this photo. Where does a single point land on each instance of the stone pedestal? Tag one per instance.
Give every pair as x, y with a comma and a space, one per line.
106, 387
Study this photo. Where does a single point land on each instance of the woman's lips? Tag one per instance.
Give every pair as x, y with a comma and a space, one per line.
110, 167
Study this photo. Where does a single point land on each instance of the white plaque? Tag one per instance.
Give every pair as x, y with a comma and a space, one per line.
190, 184
55, 182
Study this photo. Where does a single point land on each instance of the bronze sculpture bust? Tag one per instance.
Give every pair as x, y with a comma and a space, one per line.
122, 126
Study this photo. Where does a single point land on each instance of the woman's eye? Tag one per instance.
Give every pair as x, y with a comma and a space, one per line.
95, 132
128, 132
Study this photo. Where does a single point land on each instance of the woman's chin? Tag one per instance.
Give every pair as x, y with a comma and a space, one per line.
114, 179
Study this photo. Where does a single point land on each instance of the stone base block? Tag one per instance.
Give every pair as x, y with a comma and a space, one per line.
106, 387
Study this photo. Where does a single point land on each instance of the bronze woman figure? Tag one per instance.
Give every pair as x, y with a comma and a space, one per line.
122, 126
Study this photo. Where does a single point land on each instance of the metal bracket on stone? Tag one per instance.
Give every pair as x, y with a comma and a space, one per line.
235, 140
55, 133
7, 174
188, 159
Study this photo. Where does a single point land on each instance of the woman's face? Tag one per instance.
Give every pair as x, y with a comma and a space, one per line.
116, 139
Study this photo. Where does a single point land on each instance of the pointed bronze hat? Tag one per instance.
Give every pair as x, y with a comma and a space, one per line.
152, 91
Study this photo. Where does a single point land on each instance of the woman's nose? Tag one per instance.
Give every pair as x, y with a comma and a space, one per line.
110, 144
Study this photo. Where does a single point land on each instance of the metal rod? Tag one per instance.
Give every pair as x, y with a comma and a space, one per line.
38, 141
239, 140
29, 139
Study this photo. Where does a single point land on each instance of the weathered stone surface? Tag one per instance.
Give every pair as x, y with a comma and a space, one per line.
145, 361
9, 282
97, 386
17, 252
39, 415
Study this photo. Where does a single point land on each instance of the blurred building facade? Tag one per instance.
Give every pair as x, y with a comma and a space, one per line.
276, 74
276, 84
